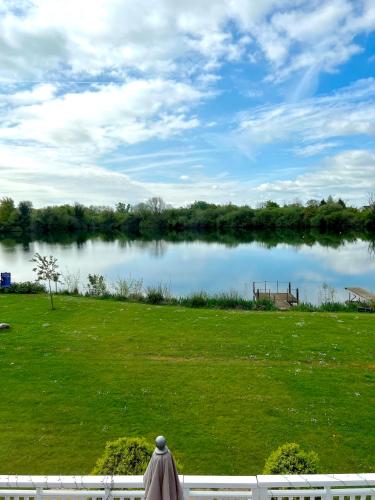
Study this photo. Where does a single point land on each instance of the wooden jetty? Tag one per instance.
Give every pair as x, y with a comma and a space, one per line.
361, 296
279, 292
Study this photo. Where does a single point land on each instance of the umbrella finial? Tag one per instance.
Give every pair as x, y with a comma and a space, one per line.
161, 445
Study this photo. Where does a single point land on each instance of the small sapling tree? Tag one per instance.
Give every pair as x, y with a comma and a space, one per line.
46, 269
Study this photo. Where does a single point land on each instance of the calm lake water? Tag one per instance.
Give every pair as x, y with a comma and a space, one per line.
193, 266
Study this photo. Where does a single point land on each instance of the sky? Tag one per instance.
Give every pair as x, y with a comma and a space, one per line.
236, 101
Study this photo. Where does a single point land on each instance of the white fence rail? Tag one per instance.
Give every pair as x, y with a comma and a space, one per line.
299, 487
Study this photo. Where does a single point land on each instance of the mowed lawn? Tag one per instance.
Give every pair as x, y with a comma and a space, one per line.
225, 387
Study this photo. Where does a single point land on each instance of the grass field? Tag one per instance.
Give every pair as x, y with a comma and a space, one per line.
226, 388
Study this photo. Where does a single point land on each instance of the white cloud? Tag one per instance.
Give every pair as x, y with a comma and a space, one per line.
100, 118
315, 35
41, 175
36, 94
348, 112
350, 175
167, 36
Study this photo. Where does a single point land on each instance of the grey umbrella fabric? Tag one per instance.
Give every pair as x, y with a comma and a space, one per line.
161, 480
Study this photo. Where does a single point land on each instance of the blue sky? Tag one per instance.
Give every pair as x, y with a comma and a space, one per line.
227, 101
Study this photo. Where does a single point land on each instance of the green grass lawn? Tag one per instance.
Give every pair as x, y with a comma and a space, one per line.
225, 387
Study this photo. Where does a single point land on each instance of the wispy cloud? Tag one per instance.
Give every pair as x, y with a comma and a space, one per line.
121, 158
161, 165
348, 112
315, 149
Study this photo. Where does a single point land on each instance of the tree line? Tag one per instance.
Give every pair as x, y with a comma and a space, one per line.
155, 216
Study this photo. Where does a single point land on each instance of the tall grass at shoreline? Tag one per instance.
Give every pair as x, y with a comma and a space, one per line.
133, 290
160, 294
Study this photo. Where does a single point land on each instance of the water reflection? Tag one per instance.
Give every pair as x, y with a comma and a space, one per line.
206, 262
371, 249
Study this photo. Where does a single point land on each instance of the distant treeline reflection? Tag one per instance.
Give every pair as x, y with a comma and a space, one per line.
327, 222
269, 239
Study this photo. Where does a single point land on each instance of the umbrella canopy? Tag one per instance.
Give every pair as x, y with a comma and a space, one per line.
161, 478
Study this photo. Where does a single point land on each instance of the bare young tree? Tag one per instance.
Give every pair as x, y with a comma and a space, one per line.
46, 269
156, 204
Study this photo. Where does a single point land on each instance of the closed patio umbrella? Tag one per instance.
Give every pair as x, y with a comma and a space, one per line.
161, 480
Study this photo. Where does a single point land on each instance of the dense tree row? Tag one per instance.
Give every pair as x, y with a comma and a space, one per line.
155, 216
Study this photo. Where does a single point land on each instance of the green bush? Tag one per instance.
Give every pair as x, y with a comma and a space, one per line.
230, 300
338, 307
264, 305
331, 307
305, 307
291, 459
129, 288
96, 285
124, 456
26, 287
197, 299
156, 294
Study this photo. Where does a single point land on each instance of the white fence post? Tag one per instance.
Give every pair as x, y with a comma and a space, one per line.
262, 493
39, 494
255, 493
185, 488
328, 493
186, 492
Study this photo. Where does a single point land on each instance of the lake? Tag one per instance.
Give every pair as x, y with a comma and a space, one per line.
187, 266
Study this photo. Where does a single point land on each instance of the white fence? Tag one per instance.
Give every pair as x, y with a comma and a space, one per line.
302, 487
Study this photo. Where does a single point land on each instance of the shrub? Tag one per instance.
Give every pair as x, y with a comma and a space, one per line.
129, 288
331, 307
124, 456
291, 459
96, 285
27, 287
337, 307
231, 300
157, 294
197, 299
305, 307
122, 288
71, 281
264, 305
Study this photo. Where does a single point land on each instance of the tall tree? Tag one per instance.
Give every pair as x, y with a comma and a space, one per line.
156, 204
8, 213
24, 218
